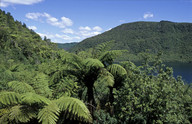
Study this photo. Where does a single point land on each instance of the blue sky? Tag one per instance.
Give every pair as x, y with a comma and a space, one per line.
65, 21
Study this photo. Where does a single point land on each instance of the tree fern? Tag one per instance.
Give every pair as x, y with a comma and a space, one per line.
41, 85
20, 87
117, 70
109, 56
74, 109
71, 60
33, 98
106, 77
49, 114
4, 116
57, 76
101, 48
92, 63
66, 86
21, 113
86, 54
9, 98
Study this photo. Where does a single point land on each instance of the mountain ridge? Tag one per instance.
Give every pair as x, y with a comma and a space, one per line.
173, 39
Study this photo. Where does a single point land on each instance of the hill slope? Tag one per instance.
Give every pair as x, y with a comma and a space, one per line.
173, 39
66, 46
19, 43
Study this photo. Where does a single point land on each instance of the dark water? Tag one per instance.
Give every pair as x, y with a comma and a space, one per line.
182, 69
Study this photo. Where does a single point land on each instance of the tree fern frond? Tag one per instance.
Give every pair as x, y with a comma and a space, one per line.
4, 116
85, 54
20, 87
128, 65
57, 76
117, 70
109, 56
32, 98
74, 109
72, 60
9, 98
106, 77
49, 114
92, 63
21, 114
67, 85
41, 85
101, 48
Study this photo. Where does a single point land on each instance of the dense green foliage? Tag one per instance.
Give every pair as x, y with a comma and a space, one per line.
27, 64
42, 84
174, 40
66, 46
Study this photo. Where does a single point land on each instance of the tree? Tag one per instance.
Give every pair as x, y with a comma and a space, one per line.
22, 105
152, 95
111, 75
86, 72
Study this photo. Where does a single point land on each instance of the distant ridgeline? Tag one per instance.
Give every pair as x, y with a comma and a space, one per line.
66, 46
174, 40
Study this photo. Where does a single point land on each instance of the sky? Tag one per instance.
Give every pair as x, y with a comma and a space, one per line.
66, 21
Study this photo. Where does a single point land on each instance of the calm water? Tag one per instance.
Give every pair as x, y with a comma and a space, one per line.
182, 69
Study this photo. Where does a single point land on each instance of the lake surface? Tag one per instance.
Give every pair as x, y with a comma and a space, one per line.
182, 69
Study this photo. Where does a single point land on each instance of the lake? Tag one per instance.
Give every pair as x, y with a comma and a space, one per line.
182, 69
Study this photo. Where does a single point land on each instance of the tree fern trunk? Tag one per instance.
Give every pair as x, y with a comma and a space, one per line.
111, 99
90, 99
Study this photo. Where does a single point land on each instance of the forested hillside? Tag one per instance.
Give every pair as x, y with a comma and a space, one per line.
174, 40
66, 46
42, 84
21, 44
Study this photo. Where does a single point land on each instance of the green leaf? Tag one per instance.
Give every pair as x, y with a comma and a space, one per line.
117, 70
21, 113
32, 98
109, 56
92, 63
20, 87
9, 98
101, 48
106, 77
49, 114
74, 109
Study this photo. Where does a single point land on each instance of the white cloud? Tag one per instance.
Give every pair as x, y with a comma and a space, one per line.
85, 28
60, 38
96, 33
148, 15
5, 3
2, 4
32, 27
64, 37
86, 34
68, 31
77, 37
50, 20
67, 21
86, 31
97, 28
47, 35
33, 16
